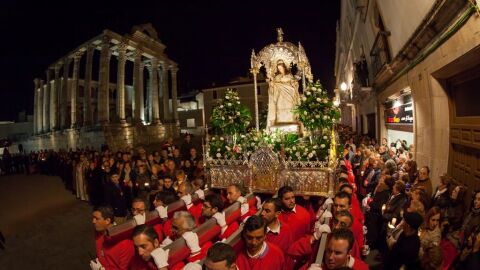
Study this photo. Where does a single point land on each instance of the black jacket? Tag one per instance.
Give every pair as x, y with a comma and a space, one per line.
394, 206
115, 196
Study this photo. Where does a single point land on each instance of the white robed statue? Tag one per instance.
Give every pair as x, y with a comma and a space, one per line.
283, 87
283, 96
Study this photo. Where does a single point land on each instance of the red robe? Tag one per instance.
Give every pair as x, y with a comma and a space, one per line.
357, 229
139, 264
196, 211
159, 230
298, 219
167, 228
272, 259
116, 256
357, 265
283, 239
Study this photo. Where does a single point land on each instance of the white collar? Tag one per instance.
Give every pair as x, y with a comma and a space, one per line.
350, 262
277, 230
440, 192
259, 253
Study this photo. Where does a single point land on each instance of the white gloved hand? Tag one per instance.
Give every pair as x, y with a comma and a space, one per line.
259, 202
192, 241
325, 215
244, 208
201, 194
187, 199
167, 241
242, 200
220, 218
315, 266
160, 257
140, 219
192, 266
162, 211
319, 229
96, 265
327, 202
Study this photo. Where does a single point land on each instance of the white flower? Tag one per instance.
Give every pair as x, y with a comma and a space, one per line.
305, 112
238, 113
294, 148
213, 138
229, 104
322, 145
228, 148
314, 88
221, 138
325, 101
297, 154
304, 98
223, 118
319, 99
307, 93
255, 138
324, 117
219, 155
221, 106
230, 117
252, 144
310, 155
325, 137
227, 97
218, 149
317, 116
242, 136
247, 123
238, 102
315, 147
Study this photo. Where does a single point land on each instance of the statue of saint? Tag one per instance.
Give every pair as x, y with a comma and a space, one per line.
283, 96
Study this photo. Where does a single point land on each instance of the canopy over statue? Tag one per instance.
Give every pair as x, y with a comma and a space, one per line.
279, 60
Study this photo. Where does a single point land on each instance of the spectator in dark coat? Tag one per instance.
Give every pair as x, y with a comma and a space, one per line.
115, 197
441, 196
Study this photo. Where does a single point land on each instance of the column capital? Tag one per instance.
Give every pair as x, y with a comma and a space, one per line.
138, 53
174, 70
77, 55
106, 40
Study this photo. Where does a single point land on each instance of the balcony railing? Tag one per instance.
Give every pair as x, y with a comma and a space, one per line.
380, 54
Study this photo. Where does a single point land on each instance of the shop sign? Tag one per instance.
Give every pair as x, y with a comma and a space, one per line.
402, 114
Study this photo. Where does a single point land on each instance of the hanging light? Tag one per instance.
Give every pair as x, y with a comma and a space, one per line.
343, 86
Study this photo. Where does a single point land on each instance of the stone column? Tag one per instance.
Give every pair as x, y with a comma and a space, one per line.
122, 49
36, 83
154, 92
142, 96
46, 103
174, 71
104, 79
136, 86
41, 92
166, 106
74, 91
64, 94
54, 99
87, 92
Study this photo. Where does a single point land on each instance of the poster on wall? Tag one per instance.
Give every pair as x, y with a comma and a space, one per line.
402, 114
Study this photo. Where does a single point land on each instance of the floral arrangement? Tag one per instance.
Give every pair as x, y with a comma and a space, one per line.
230, 116
315, 110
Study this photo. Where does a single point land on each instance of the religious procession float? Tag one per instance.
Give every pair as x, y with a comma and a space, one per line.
296, 146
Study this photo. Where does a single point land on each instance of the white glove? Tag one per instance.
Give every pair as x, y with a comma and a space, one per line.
192, 266
327, 202
192, 241
139, 219
325, 215
315, 266
201, 194
220, 218
319, 229
160, 257
242, 200
187, 199
167, 241
96, 265
162, 211
244, 208
259, 202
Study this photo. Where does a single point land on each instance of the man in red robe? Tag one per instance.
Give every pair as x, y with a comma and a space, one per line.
338, 252
341, 202
234, 194
220, 257
278, 233
109, 255
149, 255
259, 254
213, 208
294, 215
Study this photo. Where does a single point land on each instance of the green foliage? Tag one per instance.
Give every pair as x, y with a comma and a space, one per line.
230, 116
315, 110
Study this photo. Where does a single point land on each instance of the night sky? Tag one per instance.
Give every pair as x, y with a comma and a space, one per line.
210, 40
